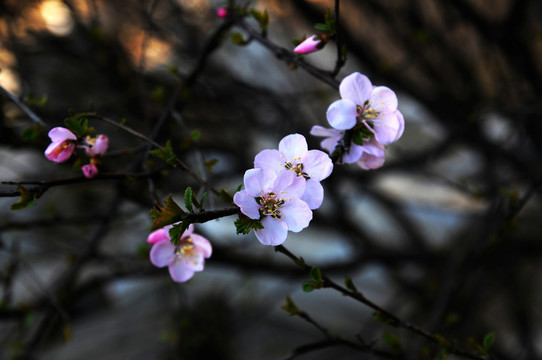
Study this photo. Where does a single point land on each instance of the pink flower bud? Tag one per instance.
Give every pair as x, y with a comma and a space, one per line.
310, 45
62, 144
90, 170
222, 13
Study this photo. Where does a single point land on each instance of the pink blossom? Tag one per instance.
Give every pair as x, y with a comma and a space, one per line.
222, 13
89, 170
311, 44
362, 104
274, 199
96, 146
62, 144
293, 154
182, 260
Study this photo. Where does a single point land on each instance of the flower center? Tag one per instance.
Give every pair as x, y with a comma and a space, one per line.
367, 113
185, 251
298, 169
270, 204
61, 147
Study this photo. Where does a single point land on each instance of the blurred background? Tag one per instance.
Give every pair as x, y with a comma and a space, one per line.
447, 235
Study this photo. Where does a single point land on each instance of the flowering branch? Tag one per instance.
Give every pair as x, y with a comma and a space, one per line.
382, 314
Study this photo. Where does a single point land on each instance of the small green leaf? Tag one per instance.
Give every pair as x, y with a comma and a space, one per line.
163, 216
31, 100
261, 16
316, 274
79, 126
188, 199
488, 341
393, 341
308, 286
290, 307
195, 135
209, 164
359, 135
244, 224
31, 133
202, 200
225, 195
165, 153
350, 284
28, 198
237, 39
322, 27
176, 232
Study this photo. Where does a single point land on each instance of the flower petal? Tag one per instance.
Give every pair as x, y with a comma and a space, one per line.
59, 151
314, 194
342, 114
387, 128
317, 164
162, 253
270, 159
247, 203
179, 273
333, 137
288, 184
297, 214
293, 146
383, 99
356, 87
353, 154
257, 180
274, 231
202, 244
158, 235
60, 134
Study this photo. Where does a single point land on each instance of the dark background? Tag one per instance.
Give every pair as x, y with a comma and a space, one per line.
447, 235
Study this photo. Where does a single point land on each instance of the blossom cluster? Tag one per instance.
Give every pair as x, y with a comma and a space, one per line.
369, 115
64, 143
283, 188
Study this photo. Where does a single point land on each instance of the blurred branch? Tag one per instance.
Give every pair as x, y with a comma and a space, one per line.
21, 105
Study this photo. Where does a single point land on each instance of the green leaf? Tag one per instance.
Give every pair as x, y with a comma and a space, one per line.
28, 198
359, 135
350, 284
165, 153
316, 274
176, 232
244, 224
488, 341
163, 216
225, 195
31, 133
195, 135
308, 286
79, 126
31, 100
322, 27
237, 39
393, 341
209, 164
290, 306
202, 200
261, 16
188, 199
